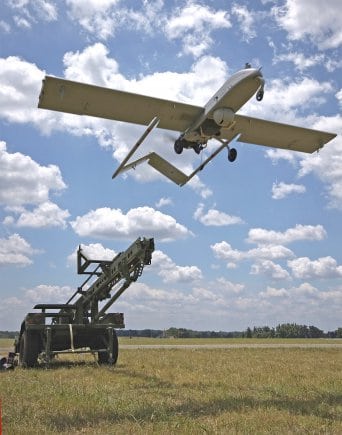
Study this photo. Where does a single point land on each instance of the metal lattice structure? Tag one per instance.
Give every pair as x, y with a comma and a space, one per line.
83, 324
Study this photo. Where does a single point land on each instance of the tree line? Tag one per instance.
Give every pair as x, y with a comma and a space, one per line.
291, 330
284, 330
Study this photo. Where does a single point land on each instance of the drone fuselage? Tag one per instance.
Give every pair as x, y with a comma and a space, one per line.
220, 109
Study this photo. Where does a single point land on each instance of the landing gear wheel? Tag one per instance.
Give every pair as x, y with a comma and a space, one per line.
232, 154
28, 349
198, 148
260, 95
104, 357
178, 147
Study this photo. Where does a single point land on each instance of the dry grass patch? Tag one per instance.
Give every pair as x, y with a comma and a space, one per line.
175, 391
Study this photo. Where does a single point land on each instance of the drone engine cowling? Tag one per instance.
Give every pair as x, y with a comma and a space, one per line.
223, 116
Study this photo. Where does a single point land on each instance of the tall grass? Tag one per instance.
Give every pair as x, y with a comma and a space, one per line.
175, 391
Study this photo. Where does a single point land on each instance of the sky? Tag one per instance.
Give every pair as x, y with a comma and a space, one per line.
251, 243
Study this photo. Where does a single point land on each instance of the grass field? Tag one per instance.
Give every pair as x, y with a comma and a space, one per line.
179, 391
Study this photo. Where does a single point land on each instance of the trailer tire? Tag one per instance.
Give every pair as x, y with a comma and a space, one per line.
103, 357
28, 349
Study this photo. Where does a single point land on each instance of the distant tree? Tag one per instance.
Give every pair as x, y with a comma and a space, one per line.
248, 332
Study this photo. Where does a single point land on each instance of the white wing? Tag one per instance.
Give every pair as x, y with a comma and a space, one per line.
83, 99
277, 135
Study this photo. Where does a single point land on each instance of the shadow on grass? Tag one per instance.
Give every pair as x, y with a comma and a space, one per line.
196, 409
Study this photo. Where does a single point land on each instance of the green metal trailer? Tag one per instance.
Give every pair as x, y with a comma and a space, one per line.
82, 324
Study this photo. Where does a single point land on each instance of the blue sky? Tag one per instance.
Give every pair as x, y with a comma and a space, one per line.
256, 242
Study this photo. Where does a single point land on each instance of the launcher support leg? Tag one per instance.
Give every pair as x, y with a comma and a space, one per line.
110, 345
48, 345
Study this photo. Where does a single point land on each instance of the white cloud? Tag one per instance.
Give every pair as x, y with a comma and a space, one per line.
224, 251
299, 232
270, 269
330, 157
226, 286
163, 202
15, 251
281, 190
107, 223
325, 267
47, 214
24, 181
285, 99
272, 292
94, 16
277, 154
300, 60
339, 97
305, 289
270, 247
102, 18
246, 19
93, 251
4, 27
19, 91
171, 272
194, 24
48, 293
309, 18
215, 217
29, 12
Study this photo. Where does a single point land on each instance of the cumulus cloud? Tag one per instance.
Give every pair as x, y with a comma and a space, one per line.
270, 247
19, 91
288, 99
301, 61
171, 272
164, 202
93, 251
281, 190
52, 293
324, 267
103, 18
246, 20
224, 285
94, 16
299, 19
224, 251
272, 292
270, 269
45, 215
24, 181
107, 223
15, 250
330, 157
193, 24
215, 217
29, 12
299, 232
4, 27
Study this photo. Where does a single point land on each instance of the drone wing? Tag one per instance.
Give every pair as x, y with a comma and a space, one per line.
83, 99
277, 135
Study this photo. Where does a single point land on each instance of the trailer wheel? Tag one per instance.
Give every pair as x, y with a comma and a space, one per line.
28, 349
103, 357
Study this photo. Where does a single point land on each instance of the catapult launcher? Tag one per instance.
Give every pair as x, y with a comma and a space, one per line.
82, 324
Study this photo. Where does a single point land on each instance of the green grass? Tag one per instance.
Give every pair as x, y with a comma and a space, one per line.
175, 391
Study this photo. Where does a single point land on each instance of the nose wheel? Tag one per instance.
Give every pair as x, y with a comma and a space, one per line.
232, 154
